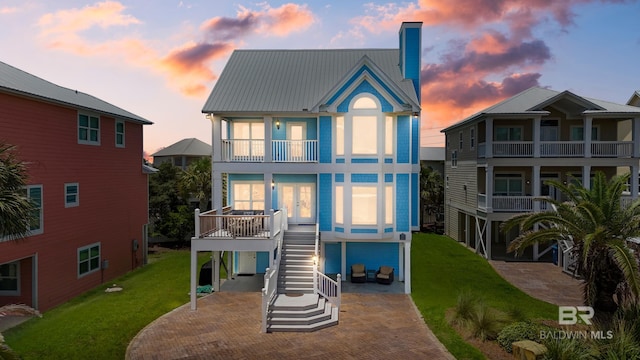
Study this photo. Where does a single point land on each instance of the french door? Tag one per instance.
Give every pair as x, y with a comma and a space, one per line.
299, 200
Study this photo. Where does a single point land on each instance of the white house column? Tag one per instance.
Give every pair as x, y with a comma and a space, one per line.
407, 267
634, 181
343, 260
267, 139
489, 187
216, 191
535, 186
216, 270
488, 151
586, 176
194, 277
588, 123
536, 136
216, 157
635, 133
268, 192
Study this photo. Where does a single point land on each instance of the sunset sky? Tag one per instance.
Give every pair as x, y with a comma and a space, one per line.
160, 59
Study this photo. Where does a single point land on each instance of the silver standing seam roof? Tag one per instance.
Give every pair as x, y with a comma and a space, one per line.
190, 147
294, 80
16, 81
534, 99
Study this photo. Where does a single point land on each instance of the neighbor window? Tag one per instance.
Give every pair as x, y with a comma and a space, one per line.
71, 195
340, 135
388, 135
34, 193
508, 185
339, 205
506, 133
361, 144
388, 204
454, 158
472, 138
460, 141
88, 259
119, 133
364, 203
248, 196
577, 133
88, 129
10, 279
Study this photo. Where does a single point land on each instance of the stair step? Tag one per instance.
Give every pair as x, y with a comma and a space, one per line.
309, 327
296, 284
295, 272
296, 290
281, 312
325, 314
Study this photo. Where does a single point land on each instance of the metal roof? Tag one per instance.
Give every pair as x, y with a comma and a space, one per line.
535, 99
16, 81
294, 80
190, 147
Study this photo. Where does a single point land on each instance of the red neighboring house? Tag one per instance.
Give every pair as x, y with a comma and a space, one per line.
84, 160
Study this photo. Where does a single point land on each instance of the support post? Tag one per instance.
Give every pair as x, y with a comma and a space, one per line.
588, 123
194, 276
407, 266
216, 270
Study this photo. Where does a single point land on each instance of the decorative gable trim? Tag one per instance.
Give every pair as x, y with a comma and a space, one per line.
367, 72
570, 96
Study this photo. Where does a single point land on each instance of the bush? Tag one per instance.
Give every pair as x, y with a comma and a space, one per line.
465, 308
523, 330
486, 322
567, 349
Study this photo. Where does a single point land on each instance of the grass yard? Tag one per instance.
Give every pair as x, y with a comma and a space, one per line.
99, 325
441, 269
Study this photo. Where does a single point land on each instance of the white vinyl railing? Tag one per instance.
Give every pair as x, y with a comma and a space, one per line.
269, 292
482, 201
294, 150
322, 284
212, 225
619, 149
243, 150
512, 203
513, 149
561, 148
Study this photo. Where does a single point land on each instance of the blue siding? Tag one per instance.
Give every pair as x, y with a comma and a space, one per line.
354, 77
388, 161
403, 142
364, 231
281, 134
262, 261
388, 178
339, 178
365, 87
412, 57
373, 255
340, 161
415, 140
402, 202
325, 145
414, 199
325, 208
364, 161
332, 258
364, 178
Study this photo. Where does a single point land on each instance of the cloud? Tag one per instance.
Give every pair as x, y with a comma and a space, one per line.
6, 10
185, 66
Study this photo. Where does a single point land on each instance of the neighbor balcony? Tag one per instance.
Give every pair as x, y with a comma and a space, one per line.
284, 151
526, 149
501, 203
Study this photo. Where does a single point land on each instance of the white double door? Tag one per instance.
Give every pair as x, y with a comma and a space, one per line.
299, 199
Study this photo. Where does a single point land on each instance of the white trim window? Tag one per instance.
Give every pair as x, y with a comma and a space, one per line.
248, 137
10, 279
120, 133
509, 133
339, 135
508, 185
88, 259
460, 141
364, 205
71, 195
454, 158
339, 204
577, 133
34, 193
388, 135
248, 196
472, 138
88, 129
388, 204
364, 139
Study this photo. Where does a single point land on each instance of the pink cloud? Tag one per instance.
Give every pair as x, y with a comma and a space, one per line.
5, 10
103, 14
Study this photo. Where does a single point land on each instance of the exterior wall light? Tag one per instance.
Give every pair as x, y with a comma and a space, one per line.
278, 124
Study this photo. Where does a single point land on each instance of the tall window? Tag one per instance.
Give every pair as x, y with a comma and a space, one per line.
388, 204
88, 259
88, 129
71, 195
506, 133
388, 135
34, 193
248, 196
364, 205
454, 158
365, 135
10, 279
339, 204
119, 133
248, 139
508, 185
340, 135
460, 141
472, 138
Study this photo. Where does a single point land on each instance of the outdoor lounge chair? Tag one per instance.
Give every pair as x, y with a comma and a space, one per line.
358, 273
384, 275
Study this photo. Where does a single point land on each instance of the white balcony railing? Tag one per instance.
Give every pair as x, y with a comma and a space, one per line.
243, 150
240, 224
561, 148
294, 150
501, 203
615, 149
513, 149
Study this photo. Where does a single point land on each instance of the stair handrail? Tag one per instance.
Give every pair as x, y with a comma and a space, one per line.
322, 284
315, 260
270, 289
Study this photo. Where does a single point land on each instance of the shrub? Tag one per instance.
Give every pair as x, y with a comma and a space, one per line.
567, 349
465, 307
523, 330
486, 323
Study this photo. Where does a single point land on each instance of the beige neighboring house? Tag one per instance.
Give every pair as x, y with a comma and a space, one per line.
634, 100
182, 153
497, 161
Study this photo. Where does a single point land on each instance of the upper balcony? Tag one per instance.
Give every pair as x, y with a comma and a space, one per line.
603, 149
285, 151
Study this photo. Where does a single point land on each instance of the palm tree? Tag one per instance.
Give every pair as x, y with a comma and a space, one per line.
599, 227
196, 180
431, 191
16, 210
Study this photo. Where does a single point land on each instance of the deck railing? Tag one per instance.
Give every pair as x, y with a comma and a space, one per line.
270, 289
294, 150
561, 148
616, 149
501, 203
210, 224
322, 284
243, 150
612, 149
513, 149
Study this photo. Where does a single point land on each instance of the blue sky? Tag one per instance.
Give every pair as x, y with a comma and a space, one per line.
160, 59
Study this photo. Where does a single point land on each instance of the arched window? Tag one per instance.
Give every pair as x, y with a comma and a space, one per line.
364, 103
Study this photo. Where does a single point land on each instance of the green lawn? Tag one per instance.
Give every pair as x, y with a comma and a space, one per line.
441, 268
99, 325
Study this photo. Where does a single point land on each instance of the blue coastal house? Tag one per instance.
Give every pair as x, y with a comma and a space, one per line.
319, 146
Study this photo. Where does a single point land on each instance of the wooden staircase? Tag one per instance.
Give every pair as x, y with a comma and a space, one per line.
296, 307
